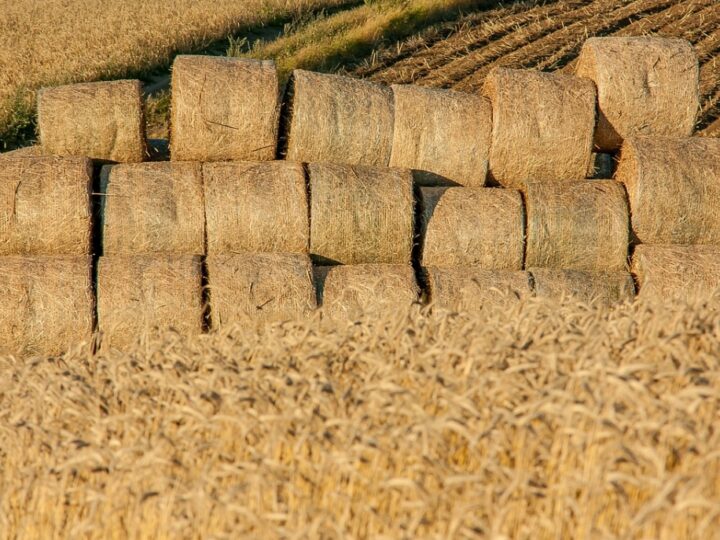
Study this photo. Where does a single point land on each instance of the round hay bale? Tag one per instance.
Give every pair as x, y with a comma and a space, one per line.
142, 293
596, 288
483, 227
256, 207
673, 187
443, 133
473, 290
350, 293
645, 85
542, 126
676, 272
602, 166
224, 109
361, 214
339, 119
580, 225
100, 120
47, 304
152, 208
45, 206
27, 151
260, 287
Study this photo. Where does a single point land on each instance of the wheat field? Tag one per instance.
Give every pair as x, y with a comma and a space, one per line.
543, 420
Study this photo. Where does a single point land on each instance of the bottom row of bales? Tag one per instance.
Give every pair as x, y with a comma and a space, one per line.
53, 302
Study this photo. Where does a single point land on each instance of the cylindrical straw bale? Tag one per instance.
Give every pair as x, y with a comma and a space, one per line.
142, 293
152, 208
260, 287
483, 227
361, 214
646, 86
442, 132
367, 290
45, 206
340, 120
673, 187
542, 126
24, 152
100, 120
676, 272
256, 207
47, 304
582, 225
224, 109
597, 288
473, 290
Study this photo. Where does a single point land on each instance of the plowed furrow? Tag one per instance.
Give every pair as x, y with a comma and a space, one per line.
709, 76
530, 54
565, 52
461, 44
695, 24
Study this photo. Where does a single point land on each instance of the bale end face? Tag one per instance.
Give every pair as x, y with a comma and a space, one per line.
224, 109
101, 120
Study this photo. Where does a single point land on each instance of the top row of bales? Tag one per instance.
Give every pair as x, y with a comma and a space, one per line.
527, 125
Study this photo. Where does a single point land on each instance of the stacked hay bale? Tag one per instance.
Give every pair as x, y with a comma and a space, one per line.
258, 233
45, 224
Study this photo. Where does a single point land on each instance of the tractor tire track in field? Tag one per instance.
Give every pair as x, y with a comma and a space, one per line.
549, 36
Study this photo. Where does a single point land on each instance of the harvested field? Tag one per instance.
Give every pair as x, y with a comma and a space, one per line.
548, 36
537, 420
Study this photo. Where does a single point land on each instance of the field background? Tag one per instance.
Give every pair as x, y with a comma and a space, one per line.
543, 420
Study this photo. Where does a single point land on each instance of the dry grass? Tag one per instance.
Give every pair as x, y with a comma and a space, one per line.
63, 41
537, 420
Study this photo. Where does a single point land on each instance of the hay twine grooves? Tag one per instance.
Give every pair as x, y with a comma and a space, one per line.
673, 187
45, 206
483, 227
647, 86
441, 133
542, 126
474, 290
339, 119
47, 304
256, 207
100, 120
260, 287
596, 288
152, 208
142, 293
366, 291
581, 225
361, 214
224, 109
676, 272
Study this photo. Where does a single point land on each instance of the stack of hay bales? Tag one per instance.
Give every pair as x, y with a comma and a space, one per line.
45, 225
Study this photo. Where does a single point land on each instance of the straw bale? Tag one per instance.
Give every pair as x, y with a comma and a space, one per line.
349, 293
224, 109
256, 207
597, 288
100, 120
472, 289
646, 86
361, 214
582, 225
666, 272
602, 166
463, 226
47, 304
673, 187
45, 206
542, 126
260, 287
27, 151
152, 208
143, 293
442, 132
339, 119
